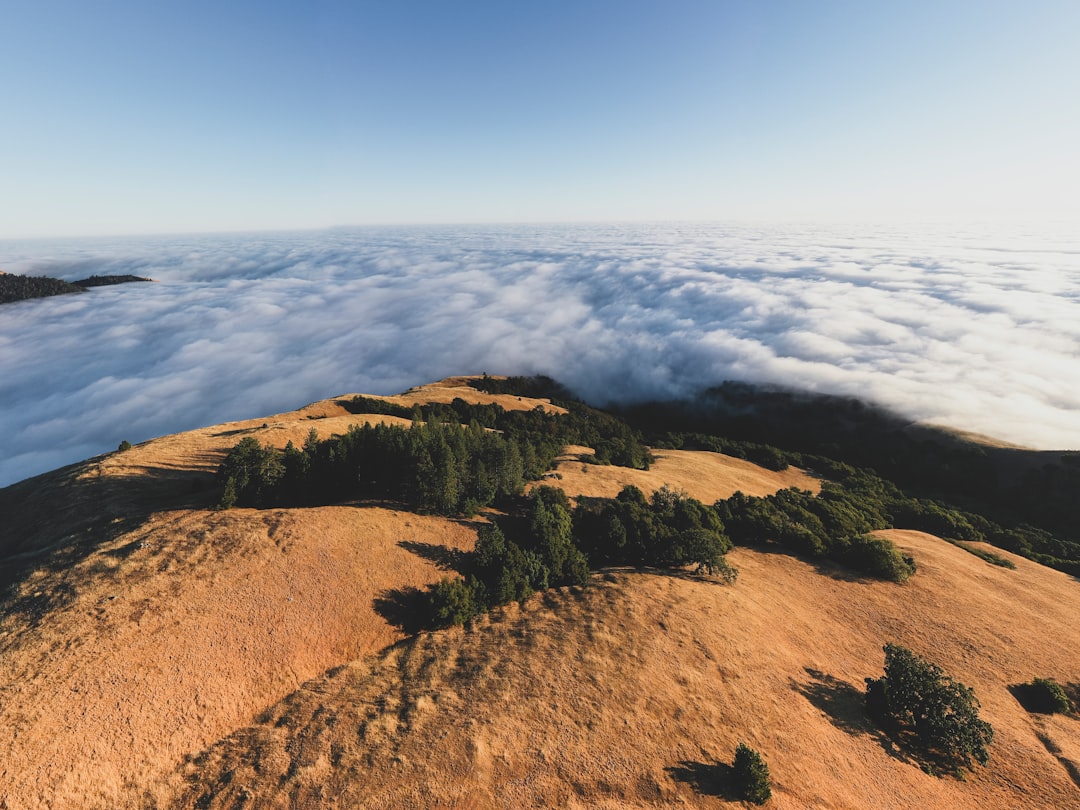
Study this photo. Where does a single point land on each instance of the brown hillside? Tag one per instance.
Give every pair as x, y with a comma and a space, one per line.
706, 476
628, 694
156, 653
140, 626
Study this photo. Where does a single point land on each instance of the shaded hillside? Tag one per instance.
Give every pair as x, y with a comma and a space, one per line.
1031, 494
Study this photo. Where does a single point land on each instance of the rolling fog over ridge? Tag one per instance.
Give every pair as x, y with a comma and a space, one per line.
976, 328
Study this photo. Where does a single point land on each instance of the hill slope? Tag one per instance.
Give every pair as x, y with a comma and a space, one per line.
628, 693
157, 653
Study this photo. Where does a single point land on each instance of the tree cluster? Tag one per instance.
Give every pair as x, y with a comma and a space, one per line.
916, 701
556, 546
614, 441
538, 386
668, 530
832, 525
434, 467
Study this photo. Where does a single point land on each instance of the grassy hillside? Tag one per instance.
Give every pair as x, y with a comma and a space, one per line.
156, 651
635, 691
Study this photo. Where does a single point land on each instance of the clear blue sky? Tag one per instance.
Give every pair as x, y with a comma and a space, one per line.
132, 117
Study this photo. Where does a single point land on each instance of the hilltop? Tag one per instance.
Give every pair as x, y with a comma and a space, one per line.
159, 652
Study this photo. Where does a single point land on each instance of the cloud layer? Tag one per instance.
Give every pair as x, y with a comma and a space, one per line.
976, 330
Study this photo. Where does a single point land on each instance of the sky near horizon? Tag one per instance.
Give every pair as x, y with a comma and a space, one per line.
149, 117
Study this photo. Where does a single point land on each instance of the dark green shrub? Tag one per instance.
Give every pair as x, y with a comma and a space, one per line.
124, 446
455, 601
751, 775
879, 557
918, 702
1046, 696
727, 572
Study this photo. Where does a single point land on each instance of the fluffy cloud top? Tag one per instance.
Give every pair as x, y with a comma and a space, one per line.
975, 330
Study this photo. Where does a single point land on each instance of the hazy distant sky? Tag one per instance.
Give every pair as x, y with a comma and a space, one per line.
132, 117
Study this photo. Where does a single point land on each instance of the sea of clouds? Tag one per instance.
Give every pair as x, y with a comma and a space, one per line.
977, 329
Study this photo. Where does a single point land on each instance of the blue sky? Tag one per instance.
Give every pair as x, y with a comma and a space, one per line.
148, 117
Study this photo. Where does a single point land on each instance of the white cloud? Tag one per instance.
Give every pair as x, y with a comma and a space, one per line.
974, 330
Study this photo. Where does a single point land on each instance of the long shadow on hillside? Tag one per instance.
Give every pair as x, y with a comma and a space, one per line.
54, 521
845, 707
445, 558
407, 609
1034, 700
707, 778
824, 567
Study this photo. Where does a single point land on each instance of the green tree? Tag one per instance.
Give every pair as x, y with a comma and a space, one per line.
455, 601
551, 529
877, 556
915, 697
250, 474
751, 775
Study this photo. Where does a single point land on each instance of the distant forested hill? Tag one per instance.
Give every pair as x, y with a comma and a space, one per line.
18, 288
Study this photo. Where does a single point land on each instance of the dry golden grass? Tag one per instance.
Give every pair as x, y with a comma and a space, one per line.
145, 628
628, 694
176, 633
709, 477
446, 391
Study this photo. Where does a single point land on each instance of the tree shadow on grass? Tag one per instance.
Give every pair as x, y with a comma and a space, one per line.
54, 521
707, 778
444, 557
405, 608
845, 707
1028, 697
1034, 700
821, 565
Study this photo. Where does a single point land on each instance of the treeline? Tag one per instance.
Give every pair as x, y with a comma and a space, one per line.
19, 288
431, 466
105, 281
435, 465
538, 386
1021, 501
831, 526
557, 546
614, 441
